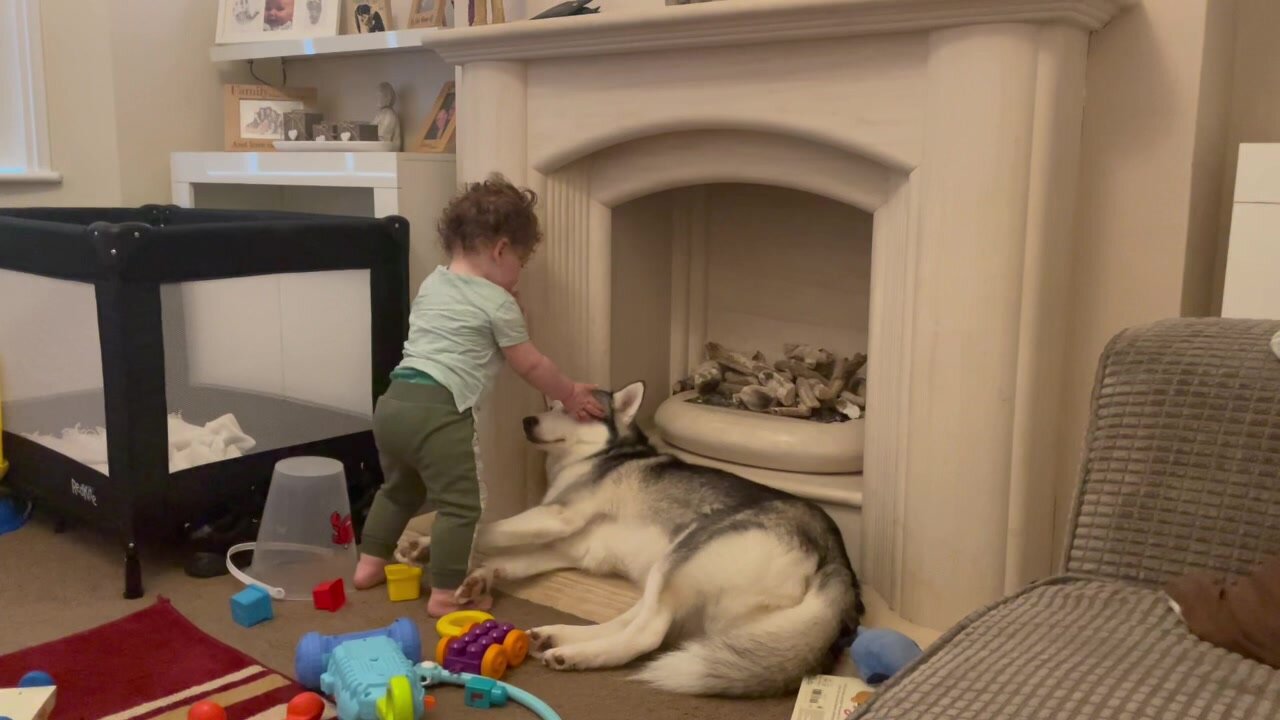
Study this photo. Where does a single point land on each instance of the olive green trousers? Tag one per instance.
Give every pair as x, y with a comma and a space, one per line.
426, 449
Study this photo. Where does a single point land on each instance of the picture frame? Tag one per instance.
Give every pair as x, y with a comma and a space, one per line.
241, 21
436, 135
253, 115
427, 13
360, 17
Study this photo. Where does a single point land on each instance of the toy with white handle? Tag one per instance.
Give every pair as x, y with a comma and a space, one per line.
432, 674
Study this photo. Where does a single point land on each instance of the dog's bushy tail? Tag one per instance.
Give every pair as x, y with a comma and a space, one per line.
766, 656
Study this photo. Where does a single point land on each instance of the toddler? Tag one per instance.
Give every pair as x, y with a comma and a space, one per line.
464, 323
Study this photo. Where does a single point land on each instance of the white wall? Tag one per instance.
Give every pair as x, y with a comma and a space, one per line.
81, 103
168, 95
1149, 190
124, 92
1255, 108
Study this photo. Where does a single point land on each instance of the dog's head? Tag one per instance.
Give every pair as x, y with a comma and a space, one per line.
557, 433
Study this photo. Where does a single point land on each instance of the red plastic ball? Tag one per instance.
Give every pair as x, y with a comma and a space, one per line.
305, 706
206, 710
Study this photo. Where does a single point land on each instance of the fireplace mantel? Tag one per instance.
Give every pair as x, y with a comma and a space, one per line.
743, 22
954, 123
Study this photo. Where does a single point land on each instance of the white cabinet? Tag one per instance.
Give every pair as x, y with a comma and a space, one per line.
1252, 286
416, 186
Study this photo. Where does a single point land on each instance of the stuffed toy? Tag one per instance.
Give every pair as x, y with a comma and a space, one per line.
880, 653
1241, 614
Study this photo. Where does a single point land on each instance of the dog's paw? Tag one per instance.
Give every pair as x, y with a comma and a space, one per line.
413, 551
557, 659
542, 639
477, 584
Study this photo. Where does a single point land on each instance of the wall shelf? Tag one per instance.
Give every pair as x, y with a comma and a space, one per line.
416, 186
413, 39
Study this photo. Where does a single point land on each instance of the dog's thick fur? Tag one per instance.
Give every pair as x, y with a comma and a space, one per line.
752, 584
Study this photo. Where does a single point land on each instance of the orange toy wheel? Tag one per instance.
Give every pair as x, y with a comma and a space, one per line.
441, 648
494, 664
517, 645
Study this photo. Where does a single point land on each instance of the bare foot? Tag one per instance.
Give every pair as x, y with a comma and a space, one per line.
442, 602
369, 572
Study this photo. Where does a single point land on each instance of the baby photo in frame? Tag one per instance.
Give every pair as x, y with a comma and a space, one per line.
241, 21
253, 115
436, 135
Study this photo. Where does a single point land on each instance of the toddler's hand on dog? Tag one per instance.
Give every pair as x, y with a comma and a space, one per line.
581, 404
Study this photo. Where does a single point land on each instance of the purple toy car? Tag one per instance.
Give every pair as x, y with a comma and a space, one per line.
486, 648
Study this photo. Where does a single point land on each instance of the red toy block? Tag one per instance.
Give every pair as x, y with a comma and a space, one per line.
329, 595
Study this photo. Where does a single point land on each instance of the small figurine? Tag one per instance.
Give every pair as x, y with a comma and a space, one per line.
386, 120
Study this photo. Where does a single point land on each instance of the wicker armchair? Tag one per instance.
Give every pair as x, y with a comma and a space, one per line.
1181, 472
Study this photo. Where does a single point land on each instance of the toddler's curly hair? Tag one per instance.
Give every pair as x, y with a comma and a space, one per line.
488, 211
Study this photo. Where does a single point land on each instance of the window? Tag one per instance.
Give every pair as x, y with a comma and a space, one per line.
24, 132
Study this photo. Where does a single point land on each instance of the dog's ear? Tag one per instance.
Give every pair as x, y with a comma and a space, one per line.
626, 403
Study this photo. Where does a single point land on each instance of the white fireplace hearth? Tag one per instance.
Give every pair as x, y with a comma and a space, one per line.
950, 127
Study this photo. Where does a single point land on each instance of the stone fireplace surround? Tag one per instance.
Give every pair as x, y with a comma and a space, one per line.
954, 122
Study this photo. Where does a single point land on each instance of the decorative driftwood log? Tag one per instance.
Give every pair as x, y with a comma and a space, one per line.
839, 376
807, 397
848, 408
734, 360
855, 399
729, 389
783, 390
707, 377
811, 355
809, 383
857, 385
798, 369
756, 398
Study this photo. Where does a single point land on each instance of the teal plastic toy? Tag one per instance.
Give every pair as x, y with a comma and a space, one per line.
371, 679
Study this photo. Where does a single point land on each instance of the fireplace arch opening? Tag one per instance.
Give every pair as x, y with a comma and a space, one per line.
751, 239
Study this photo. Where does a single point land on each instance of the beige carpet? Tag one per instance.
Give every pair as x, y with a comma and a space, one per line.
53, 585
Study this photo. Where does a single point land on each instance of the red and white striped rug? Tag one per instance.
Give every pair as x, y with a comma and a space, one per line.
151, 665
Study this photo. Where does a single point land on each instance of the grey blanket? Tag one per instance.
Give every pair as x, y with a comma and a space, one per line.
1073, 648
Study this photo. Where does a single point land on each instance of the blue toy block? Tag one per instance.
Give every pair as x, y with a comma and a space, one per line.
484, 693
251, 606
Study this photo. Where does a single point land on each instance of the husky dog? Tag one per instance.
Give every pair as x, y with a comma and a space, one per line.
751, 584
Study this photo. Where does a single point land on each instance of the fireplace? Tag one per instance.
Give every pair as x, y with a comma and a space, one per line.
943, 134
754, 267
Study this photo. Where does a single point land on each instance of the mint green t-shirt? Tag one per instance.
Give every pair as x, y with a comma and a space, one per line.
458, 326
